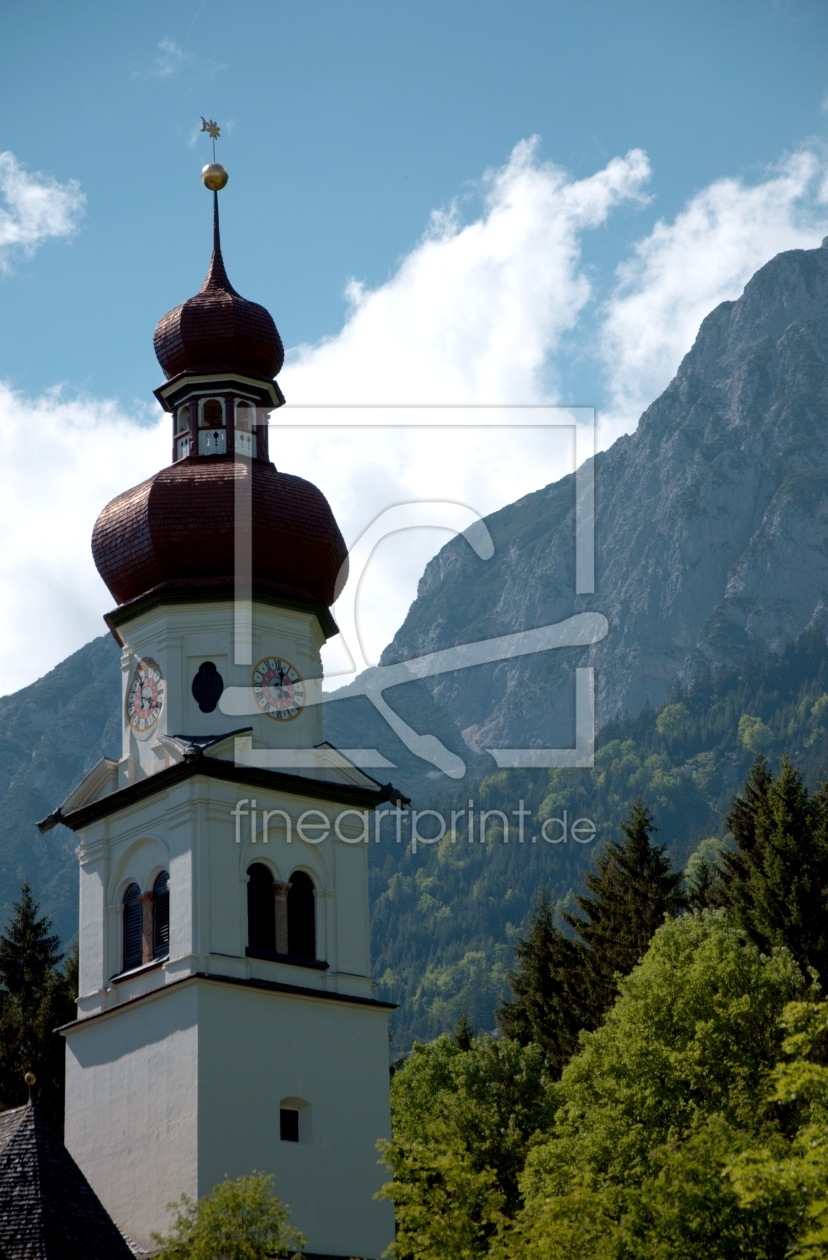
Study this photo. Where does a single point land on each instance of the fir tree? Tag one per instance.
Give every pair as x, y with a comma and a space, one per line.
776, 882
36, 997
464, 1032
633, 887
546, 1008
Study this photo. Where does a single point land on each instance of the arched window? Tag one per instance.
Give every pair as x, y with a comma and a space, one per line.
161, 916
182, 420
245, 416
261, 908
301, 916
213, 414
132, 928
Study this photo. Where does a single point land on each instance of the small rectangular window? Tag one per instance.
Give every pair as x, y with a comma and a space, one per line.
288, 1124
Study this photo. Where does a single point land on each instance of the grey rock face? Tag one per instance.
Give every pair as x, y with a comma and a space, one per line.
711, 530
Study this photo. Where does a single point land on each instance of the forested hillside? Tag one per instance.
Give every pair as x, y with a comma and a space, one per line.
444, 919
659, 1088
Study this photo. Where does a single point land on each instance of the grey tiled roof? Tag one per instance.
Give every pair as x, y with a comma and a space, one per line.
48, 1210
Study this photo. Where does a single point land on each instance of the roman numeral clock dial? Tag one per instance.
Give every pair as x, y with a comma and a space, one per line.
278, 688
145, 698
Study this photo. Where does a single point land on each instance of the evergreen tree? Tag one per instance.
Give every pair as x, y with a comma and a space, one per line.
464, 1032
35, 998
546, 1008
703, 876
633, 887
776, 882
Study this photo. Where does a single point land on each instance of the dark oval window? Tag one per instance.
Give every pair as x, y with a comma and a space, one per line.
301, 916
132, 928
161, 916
213, 414
261, 908
208, 685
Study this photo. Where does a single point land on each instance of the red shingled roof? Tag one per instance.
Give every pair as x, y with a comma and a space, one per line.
218, 330
178, 527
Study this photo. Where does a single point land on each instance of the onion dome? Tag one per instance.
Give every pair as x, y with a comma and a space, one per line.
218, 330
175, 532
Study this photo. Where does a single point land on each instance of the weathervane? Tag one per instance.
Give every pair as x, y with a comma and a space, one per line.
213, 176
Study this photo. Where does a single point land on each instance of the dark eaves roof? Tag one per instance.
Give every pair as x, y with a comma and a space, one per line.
228, 772
48, 1210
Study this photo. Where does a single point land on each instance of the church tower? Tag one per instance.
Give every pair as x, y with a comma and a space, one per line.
226, 1019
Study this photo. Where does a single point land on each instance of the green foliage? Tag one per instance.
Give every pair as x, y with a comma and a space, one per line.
443, 919
446, 1207
238, 1220
35, 998
658, 1099
462, 1122
703, 875
791, 1179
547, 1006
673, 721
633, 887
776, 880
754, 735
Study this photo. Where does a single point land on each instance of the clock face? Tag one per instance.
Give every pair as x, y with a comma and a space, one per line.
278, 688
145, 698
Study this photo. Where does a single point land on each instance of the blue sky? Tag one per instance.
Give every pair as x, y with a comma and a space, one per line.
345, 125
388, 203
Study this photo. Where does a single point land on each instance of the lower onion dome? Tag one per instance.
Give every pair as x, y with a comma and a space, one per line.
177, 531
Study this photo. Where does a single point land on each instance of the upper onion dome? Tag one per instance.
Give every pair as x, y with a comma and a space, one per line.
175, 531
218, 330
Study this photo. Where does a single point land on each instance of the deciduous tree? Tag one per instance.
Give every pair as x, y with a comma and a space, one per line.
237, 1220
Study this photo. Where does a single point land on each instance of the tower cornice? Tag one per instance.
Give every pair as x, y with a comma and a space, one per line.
299, 785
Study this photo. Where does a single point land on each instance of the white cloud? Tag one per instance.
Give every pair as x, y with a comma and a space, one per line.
479, 312
471, 316
33, 208
62, 461
682, 270
475, 310
168, 61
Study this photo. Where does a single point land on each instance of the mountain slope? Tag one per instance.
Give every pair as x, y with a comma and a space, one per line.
51, 734
711, 531
712, 541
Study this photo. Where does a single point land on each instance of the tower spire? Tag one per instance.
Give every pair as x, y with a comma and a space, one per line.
216, 277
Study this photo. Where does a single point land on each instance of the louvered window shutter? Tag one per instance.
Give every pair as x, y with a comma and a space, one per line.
301, 916
261, 908
161, 916
132, 928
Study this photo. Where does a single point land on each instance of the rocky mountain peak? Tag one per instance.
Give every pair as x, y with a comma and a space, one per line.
711, 530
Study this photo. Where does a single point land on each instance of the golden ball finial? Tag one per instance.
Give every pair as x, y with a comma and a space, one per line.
214, 176
30, 1079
